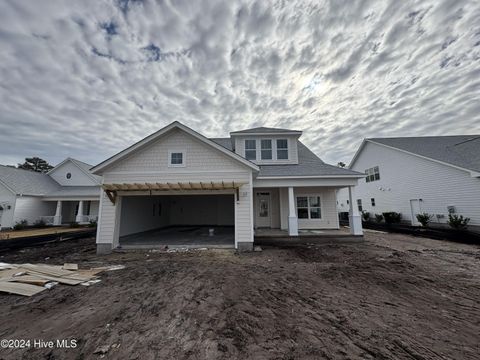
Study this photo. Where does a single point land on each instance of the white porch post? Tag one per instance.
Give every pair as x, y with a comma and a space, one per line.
79, 218
57, 219
354, 217
292, 214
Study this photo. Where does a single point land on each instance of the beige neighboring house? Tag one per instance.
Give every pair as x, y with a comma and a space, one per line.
68, 193
177, 182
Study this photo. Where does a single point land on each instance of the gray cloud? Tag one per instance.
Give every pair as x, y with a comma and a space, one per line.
86, 79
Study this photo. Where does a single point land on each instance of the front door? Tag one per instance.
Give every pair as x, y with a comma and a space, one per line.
263, 209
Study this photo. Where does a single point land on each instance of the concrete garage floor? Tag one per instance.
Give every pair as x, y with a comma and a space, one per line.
181, 237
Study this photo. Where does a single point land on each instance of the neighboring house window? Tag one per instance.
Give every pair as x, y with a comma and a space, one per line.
266, 149
68, 176
250, 149
308, 207
373, 174
282, 149
359, 204
373, 201
176, 158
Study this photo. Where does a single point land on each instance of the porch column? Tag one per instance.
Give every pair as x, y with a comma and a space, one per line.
292, 214
354, 217
57, 219
79, 218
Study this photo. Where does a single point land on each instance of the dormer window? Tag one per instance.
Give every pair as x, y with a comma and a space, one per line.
266, 149
282, 149
250, 149
176, 158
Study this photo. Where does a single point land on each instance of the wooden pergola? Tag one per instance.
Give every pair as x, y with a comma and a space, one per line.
112, 189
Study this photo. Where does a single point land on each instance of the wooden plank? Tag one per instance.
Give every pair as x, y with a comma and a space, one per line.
69, 266
20, 288
7, 274
62, 280
46, 269
29, 279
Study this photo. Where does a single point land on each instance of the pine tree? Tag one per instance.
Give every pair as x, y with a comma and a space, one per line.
35, 164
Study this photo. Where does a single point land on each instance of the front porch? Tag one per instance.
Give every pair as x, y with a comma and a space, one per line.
72, 211
303, 211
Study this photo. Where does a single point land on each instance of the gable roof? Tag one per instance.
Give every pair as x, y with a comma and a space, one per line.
149, 139
309, 165
26, 182
460, 151
266, 130
84, 167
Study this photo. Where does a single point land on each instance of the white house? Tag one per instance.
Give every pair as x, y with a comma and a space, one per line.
67, 193
411, 175
255, 179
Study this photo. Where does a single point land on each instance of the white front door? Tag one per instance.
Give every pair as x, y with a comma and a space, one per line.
415, 208
263, 215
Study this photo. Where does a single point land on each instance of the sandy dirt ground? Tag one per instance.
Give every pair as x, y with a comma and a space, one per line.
389, 297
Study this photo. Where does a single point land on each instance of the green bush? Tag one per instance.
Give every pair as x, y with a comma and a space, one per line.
92, 223
392, 217
21, 225
39, 224
458, 221
424, 219
378, 218
74, 224
365, 216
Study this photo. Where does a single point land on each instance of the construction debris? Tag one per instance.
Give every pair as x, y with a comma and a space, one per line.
30, 279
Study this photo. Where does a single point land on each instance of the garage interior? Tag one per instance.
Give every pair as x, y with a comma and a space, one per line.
177, 221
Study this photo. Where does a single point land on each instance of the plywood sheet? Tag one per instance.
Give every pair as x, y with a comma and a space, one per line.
20, 288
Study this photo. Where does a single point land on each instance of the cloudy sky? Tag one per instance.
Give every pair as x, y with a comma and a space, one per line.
87, 78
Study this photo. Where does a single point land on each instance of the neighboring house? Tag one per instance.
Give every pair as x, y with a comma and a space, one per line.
256, 178
411, 175
67, 193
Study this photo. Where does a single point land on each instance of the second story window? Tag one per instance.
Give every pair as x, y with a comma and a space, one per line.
282, 149
176, 158
250, 150
373, 174
266, 149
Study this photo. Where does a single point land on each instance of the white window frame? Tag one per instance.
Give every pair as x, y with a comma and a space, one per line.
267, 149
309, 207
282, 149
372, 172
184, 158
245, 149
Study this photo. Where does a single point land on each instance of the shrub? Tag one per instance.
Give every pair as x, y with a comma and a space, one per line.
39, 224
365, 216
20, 225
74, 224
92, 223
392, 217
378, 218
458, 221
424, 219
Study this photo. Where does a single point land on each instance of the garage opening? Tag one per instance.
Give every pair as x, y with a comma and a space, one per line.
177, 221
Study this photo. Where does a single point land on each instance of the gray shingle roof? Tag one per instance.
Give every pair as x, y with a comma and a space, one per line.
68, 191
461, 150
309, 164
263, 129
27, 182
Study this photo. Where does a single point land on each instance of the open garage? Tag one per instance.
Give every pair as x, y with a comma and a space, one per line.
177, 221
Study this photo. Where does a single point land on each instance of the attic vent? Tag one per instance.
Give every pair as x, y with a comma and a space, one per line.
69, 175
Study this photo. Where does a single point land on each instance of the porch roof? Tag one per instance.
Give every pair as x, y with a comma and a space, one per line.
75, 191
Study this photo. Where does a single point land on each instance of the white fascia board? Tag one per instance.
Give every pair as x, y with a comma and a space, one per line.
266, 133
310, 177
142, 143
325, 182
472, 173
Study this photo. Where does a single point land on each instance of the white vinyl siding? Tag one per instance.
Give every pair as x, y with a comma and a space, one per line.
406, 177
7, 198
77, 178
31, 208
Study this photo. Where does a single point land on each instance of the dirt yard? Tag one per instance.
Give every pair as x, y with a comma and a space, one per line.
390, 297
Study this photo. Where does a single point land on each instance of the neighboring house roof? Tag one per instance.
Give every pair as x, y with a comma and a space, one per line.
84, 167
149, 139
69, 191
461, 151
26, 182
309, 164
265, 130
